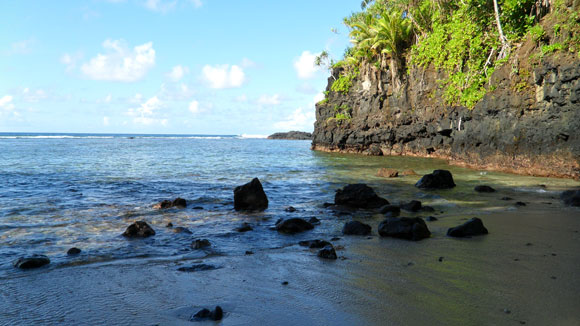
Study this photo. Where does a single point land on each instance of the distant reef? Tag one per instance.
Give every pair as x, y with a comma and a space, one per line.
292, 135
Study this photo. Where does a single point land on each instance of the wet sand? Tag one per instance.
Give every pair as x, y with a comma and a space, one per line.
527, 270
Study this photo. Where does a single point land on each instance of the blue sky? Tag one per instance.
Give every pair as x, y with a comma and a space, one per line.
165, 66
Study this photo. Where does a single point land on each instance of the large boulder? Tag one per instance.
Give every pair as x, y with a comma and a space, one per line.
439, 179
356, 228
293, 225
29, 262
250, 197
139, 229
571, 197
327, 252
404, 228
470, 228
359, 196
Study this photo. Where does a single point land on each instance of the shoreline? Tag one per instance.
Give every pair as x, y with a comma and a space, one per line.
529, 254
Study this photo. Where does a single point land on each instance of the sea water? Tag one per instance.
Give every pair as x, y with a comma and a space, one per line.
59, 191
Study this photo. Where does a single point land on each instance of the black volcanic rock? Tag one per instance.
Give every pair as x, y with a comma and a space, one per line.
139, 229
404, 228
356, 228
73, 251
250, 197
359, 196
470, 228
29, 262
327, 252
439, 179
292, 135
314, 243
571, 197
200, 243
483, 188
293, 225
412, 206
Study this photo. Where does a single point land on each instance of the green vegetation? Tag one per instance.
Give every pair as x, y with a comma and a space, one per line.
466, 39
342, 114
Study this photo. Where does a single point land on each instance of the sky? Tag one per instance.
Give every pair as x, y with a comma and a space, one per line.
166, 66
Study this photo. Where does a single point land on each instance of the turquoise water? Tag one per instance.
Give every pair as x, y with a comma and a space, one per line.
59, 191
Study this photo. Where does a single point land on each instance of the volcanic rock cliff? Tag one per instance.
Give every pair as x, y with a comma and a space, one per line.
527, 123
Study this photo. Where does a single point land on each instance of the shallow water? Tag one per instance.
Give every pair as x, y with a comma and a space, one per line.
58, 191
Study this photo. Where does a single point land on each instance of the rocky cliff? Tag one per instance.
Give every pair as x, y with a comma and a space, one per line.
527, 123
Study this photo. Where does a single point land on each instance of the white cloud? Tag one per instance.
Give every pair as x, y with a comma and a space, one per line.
70, 60
160, 5
304, 65
197, 3
269, 100
194, 107
106, 121
177, 73
34, 96
6, 103
319, 97
300, 119
146, 113
224, 76
120, 63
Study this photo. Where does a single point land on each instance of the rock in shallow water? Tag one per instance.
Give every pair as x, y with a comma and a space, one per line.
197, 268
29, 262
484, 188
327, 252
404, 228
250, 197
293, 225
571, 197
472, 227
200, 243
73, 251
245, 227
139, 229
387, 173
359, 196
439, 179
177, 203
356, 228
206, 314
412, 206
314, 243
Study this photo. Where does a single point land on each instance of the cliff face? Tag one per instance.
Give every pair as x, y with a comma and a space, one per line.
528, 124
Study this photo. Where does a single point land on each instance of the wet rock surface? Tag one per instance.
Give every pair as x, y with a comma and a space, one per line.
327, 252
571, 197
250, 197
356, 228
29, 262
139, 229
387, 173
470, 228
200, 243
73, 251
206, 314
412, 206
439, 179
484, 188
359, 196
176, 203
291, 135
314, 243
293, 225
406, 228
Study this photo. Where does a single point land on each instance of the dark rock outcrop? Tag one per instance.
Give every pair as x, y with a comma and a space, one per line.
73, 251
250, 197
483, 188
206, 314
197, 268
359, 196
245, 227
404, 228
292, 135
439, 179
314, 243
177, 203
293, 225
200, 243
412, 206
571, 197
527, 124
139, 229
356, 228
470, 228
33, 261
327, 252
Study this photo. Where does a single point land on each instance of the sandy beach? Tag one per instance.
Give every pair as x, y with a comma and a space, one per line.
525, 271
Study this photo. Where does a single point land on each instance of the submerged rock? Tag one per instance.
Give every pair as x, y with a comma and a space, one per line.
73, 251
200, 243
250, 197
177, 203
290, 209
139, 229
356, 228
431, 219
472, 227
571, 197
404, 228
33, 261
206, 314
359, 196
314, 243
293, 225
391, 210
313, 221
327, 252
483, 188
245, 227
412, 206
181, 229
439, 179
197, 268
387, 173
